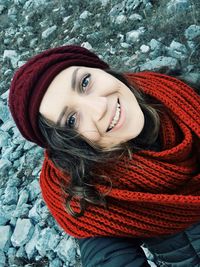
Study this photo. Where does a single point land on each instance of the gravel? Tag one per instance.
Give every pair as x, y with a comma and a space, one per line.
132, 35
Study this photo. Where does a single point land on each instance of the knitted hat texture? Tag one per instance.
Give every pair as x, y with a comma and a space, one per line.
31, 81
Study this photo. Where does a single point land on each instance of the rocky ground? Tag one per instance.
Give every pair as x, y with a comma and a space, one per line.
131, 35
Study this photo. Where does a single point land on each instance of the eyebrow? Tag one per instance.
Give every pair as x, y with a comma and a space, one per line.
73, 86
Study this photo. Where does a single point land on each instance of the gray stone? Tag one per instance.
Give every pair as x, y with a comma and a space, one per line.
3, 219
34, 187
87, 45
5, 234
7, 125
13, 221
7, 211
178, 6
2, 258
94, 36
12, 12
16, 154
4, 96
14, 181
20, 41
34, 214
178, 46
116, 10
71, 41
12, 56
133, 4
11, 172
134, 36
135, 17
159, 63
44, 23
177, 54
8, 72
121, 37
104, 2
4, 136
47, 240
177, 50
51, 255
20, 63
3, 112
21, 253
33, 4
36, 173
66, 249
112, 50
11, 256
23, 197
6, 41
22, 233
148, 6
131, 61
16, 165
144, 48
28, 145
65, 19
5, 165
7, 153
55, 263
48, 32
2, 8
22, 211
20, 2
192, 32
125, 45
17, 138
120, 19
193, 77
154, 44
33, 42
191, 44
77, 25
85, 14
11, 195
30, 246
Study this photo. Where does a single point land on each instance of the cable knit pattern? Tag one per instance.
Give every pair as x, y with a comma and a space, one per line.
154, 193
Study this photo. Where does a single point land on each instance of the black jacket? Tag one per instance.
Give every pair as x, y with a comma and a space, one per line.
178, 250
112, 252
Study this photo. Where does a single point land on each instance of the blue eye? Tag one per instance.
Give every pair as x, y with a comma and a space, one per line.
85, 81
71, 121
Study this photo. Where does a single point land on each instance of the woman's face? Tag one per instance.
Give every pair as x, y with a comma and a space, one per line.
96, 104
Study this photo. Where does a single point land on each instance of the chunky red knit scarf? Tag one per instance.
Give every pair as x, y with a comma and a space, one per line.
154, 193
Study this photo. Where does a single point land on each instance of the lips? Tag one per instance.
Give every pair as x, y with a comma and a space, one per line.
116, 117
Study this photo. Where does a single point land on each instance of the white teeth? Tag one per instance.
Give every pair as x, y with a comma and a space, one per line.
116, 117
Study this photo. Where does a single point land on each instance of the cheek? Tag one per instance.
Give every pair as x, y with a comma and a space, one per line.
90, 133
107, 85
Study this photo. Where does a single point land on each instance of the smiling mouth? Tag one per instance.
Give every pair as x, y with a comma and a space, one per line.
116, 117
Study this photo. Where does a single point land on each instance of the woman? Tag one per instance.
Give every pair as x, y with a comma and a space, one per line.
121, 160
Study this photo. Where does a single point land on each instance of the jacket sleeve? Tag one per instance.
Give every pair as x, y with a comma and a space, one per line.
111, 252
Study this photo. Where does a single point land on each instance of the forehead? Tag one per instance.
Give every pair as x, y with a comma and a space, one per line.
55, 94
62, 82
58, 91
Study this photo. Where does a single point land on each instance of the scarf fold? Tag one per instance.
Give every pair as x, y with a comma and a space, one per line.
154, 193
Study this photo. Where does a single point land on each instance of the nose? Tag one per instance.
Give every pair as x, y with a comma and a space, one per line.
96, 106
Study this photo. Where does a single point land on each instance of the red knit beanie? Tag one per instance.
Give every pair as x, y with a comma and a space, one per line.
31, 81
